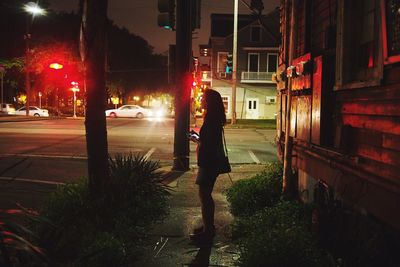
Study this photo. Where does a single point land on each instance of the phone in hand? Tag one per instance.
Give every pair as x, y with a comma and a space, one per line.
192, 135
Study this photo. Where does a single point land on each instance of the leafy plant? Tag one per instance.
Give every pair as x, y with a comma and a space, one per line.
263, 190
96, 231
17, 241
277, 236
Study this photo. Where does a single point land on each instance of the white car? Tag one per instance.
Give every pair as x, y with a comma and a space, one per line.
33, 111
129, 111
7, 108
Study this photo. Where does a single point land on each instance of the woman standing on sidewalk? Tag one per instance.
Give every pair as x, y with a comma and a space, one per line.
210, 151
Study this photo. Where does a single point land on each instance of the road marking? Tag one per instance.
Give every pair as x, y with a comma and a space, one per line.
253, 156
42, 156
149, 153
11, 179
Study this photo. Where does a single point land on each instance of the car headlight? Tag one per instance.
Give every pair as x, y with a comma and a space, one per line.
160, 113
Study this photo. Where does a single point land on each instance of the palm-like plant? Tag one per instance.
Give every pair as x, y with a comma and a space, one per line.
17, 240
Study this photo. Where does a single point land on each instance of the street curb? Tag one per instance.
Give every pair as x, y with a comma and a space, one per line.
22, 119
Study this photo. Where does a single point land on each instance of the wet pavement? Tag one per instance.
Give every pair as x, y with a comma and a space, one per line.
169, 243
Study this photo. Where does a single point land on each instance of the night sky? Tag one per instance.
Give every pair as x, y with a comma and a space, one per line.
140, 18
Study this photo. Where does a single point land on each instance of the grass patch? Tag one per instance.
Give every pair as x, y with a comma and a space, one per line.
259, 124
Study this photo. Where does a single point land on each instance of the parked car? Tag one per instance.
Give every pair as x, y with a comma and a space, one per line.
7, 108
129, 111
33, 111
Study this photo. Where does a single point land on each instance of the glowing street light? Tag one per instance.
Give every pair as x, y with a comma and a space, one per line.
56, 66
33, 9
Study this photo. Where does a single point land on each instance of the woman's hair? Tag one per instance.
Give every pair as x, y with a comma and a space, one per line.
215, 110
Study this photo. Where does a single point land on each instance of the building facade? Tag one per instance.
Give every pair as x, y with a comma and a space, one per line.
257, 61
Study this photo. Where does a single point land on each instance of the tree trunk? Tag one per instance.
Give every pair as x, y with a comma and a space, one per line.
93, 53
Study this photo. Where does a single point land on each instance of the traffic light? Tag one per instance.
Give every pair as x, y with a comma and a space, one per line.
229, 63
196, 14
166, 16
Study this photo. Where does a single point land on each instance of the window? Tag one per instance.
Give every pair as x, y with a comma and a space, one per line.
270, 99
272, 62
391, 30
255, 35
225, 100
358, 57
252, 104
253, 62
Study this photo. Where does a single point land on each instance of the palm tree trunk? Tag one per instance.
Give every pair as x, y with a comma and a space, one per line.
93, 53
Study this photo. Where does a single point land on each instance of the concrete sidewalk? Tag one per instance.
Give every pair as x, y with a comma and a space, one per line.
169, 243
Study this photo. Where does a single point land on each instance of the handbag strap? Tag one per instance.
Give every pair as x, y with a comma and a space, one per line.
226, 153
223, 135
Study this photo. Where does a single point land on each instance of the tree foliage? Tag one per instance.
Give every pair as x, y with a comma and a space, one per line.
131, 61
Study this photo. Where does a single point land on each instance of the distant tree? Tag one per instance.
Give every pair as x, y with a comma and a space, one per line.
93, 53
13, 78
132, 62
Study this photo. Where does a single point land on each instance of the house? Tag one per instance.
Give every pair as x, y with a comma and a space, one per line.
257, 61
340, 67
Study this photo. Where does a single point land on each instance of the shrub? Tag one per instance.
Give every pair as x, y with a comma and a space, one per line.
97, 231
277, 236
263, 190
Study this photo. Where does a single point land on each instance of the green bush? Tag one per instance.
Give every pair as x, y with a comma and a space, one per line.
277, 236
105, 250
97, 231
263, 190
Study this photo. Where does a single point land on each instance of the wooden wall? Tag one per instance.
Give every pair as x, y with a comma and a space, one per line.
361, 125
374, 117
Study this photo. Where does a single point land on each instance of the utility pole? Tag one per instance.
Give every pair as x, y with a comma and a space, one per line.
183, 78
234, 60
288, 185
27, 69
32, 9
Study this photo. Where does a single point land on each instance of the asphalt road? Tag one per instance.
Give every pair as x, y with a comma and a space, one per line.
47, 152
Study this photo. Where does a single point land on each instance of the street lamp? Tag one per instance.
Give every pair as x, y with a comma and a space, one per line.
57, 67
2, 70
35, 10
74, 89
40, 99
